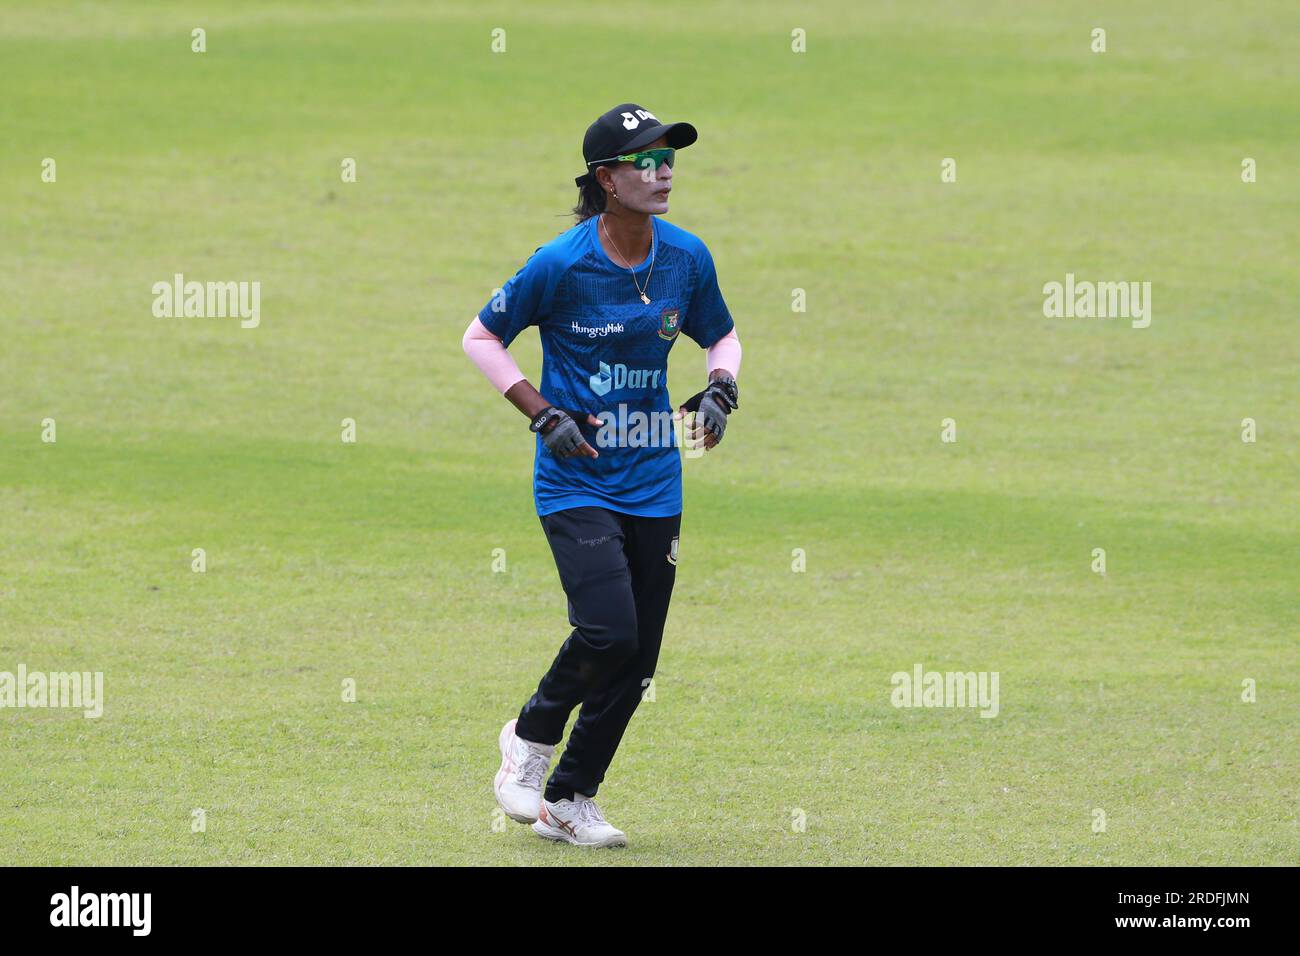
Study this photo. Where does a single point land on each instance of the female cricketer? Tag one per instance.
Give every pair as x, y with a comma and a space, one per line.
609, 297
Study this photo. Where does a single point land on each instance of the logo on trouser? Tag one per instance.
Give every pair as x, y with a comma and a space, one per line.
672, 551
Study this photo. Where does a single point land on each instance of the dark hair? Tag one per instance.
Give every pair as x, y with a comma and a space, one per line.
591, 201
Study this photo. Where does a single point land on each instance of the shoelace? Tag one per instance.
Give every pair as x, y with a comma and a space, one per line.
530, 775
588, 812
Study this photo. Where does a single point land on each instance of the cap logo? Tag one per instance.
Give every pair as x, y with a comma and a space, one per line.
632, 122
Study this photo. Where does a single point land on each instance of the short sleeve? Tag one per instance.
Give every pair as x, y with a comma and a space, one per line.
524, 300
707, 316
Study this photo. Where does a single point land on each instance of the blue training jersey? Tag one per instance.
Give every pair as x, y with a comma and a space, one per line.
606, 352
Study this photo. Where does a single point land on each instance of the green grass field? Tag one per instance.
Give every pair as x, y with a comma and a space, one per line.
818, 171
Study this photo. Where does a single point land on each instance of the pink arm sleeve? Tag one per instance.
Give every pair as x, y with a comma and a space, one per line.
491, 356
725, 354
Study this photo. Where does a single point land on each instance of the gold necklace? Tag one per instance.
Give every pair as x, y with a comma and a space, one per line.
644, 298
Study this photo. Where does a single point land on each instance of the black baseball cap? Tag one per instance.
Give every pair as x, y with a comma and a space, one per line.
625, 129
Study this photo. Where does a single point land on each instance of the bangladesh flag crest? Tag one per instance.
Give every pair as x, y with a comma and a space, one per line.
670, 323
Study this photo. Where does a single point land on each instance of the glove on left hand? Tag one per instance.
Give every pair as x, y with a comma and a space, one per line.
712, 406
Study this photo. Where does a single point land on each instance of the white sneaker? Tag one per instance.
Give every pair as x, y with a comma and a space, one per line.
577, 821
518, 785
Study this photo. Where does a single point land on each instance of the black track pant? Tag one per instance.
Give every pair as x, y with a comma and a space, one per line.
618, 573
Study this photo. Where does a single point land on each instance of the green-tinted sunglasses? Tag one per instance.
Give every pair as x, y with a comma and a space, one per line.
660, 158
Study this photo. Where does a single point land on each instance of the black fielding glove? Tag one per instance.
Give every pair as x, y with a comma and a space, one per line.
714, 404
559, 430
